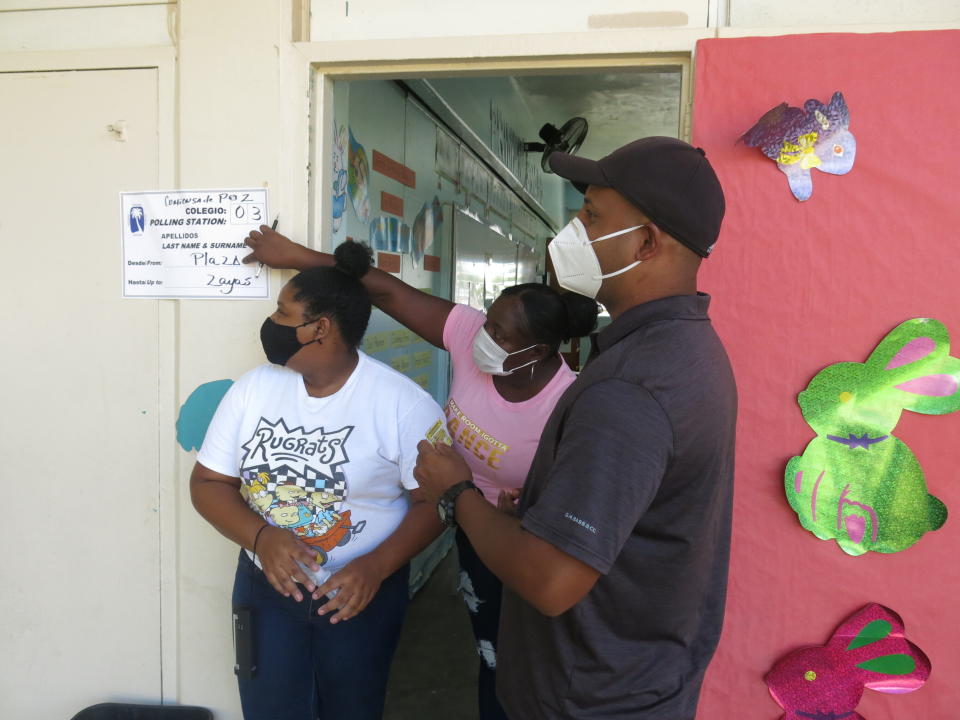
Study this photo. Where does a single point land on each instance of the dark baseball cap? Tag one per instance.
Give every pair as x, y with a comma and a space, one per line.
671, 181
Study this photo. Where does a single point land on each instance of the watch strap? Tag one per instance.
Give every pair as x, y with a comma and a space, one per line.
447, 501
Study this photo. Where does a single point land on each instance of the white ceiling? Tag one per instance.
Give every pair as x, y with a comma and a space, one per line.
619, 107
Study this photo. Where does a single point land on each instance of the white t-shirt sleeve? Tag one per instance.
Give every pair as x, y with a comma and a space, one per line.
220, 451
422, 422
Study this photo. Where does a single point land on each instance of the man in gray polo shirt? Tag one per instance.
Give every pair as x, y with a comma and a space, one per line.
615, 564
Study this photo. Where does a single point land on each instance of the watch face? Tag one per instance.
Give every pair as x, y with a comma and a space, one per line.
446, 505
444, 512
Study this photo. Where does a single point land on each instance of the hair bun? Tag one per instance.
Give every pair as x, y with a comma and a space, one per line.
353, 258
581, 313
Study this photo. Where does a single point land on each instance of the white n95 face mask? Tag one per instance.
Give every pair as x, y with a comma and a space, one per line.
574, 261
489, 357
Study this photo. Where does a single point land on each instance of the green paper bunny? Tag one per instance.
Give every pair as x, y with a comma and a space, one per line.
855, 482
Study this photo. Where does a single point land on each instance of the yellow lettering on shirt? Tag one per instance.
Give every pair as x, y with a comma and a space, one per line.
478, 447
466, 438
472, 437
452, 426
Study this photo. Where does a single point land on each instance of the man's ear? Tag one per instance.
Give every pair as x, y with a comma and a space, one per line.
651, 243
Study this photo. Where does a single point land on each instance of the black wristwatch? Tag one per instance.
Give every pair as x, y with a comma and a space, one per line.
447, 502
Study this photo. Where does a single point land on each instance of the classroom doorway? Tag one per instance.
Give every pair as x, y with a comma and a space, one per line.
446, 176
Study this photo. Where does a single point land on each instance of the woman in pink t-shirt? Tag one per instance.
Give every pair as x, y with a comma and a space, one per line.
507, 377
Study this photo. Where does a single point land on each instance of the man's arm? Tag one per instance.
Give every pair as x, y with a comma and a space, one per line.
610, 460
546, 577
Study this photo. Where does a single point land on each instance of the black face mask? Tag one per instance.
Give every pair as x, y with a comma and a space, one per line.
280, 341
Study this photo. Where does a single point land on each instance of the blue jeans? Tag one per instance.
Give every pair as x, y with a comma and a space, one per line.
308, 668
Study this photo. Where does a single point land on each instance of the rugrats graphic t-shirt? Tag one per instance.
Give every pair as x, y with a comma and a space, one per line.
496, 437
334, 470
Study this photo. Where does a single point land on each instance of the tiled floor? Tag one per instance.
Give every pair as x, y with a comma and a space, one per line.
434, 673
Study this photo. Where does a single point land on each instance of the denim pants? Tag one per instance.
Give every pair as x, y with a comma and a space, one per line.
481, 591
306, 667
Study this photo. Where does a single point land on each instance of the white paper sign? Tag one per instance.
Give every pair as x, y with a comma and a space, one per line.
189, 244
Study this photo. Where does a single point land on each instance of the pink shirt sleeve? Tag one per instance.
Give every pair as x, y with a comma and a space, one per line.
458, 333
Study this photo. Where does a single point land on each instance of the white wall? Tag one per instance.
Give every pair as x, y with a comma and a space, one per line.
426, 18
236, 114
27, 25
227, 123
766, 13
239, 108
366, 19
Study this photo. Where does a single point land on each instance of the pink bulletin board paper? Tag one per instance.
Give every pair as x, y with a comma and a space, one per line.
798, 286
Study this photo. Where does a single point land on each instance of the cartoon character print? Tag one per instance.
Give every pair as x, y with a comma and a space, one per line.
358, 172
256, 494
290, 516
294, 479
339, 176
330, 528
855, 482
868, 651
801, 139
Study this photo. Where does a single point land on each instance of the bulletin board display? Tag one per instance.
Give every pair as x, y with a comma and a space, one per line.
798, 286
387, 194
400, 182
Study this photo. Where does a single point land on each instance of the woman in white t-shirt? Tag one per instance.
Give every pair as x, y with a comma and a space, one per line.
308, 466
507, 377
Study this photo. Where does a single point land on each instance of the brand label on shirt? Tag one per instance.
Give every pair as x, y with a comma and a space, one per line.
582, 523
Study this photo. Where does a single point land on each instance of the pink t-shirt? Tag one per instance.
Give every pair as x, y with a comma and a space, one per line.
496, 437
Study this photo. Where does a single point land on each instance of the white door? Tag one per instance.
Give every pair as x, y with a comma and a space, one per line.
79, 605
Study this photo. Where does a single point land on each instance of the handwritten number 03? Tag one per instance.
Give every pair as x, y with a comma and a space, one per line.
255, 214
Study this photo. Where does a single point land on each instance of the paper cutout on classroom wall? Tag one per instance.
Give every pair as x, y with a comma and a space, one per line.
868, 650
798, 140
339, 176
855, 482
197, 412
358, 174
426, 227
390, 234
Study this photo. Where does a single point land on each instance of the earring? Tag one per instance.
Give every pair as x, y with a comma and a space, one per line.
531, 371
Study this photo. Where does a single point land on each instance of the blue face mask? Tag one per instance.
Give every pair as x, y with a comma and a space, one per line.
280, 341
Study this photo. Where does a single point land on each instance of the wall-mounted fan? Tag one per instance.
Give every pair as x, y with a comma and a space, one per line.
567, 139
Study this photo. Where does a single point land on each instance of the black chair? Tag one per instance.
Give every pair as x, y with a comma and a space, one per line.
126, 711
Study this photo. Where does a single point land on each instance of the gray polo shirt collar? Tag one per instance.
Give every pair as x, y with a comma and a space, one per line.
675, 307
